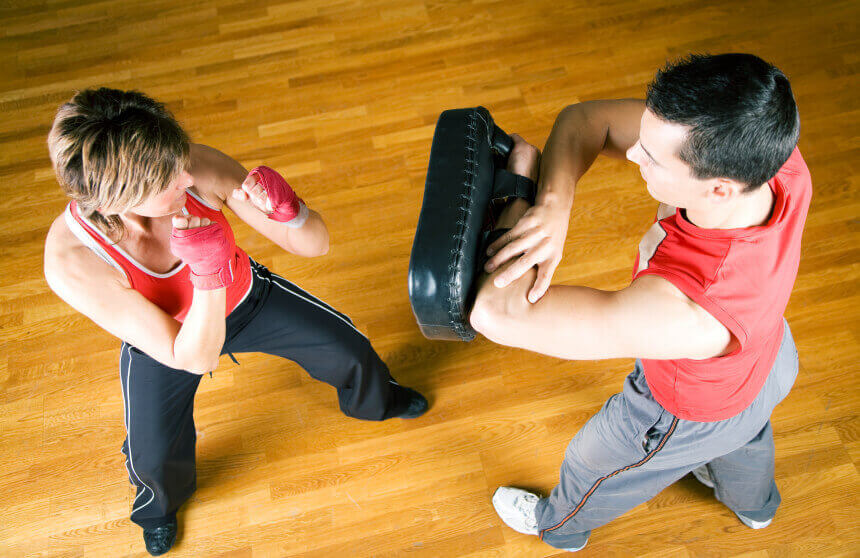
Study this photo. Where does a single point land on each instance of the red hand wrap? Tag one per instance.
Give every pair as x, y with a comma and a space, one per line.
286, 205
207, 253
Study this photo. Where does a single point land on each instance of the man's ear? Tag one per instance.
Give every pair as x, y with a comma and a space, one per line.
722, 190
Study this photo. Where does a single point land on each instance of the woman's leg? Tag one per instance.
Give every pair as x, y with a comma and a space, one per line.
160, 436
295, 325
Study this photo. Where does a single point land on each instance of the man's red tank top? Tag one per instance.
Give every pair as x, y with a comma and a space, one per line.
742, 277
171, 291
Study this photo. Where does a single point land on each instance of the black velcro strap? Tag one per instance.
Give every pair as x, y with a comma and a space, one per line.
492, 236
488, 238
508, 185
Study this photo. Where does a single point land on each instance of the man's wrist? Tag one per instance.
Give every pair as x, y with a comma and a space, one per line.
555, 199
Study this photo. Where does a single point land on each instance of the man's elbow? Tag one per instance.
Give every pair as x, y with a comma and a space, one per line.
492, 315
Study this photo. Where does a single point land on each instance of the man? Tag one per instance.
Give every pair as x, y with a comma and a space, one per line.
715, 142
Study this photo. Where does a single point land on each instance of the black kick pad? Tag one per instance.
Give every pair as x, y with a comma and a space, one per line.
466, 173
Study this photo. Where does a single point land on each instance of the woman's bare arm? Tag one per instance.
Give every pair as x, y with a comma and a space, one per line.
102, 293
217, 175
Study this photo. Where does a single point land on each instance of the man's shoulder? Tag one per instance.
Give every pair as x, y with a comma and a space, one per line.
684, 315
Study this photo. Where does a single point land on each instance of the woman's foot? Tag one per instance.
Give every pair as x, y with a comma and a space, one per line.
408, 403
160, 539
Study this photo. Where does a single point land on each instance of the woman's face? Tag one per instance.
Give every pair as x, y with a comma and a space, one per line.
168, 202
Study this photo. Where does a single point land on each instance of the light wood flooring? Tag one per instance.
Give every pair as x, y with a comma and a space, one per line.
342, 97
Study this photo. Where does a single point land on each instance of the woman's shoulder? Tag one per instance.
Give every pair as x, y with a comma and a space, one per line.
67, 259
60, 241
215, 174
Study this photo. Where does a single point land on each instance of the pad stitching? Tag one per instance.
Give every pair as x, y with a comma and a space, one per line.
454, 313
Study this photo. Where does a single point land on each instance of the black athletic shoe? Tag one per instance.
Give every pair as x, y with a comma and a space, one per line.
408, 403
161, 539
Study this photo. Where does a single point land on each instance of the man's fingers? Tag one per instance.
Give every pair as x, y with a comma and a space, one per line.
498, 243
542, 282
511, 249
240, 194
535, 256
180, 222
522, 227
514, 272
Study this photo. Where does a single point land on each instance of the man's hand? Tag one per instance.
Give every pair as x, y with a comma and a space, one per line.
538, 237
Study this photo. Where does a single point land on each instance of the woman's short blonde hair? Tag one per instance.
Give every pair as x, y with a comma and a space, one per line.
114, 149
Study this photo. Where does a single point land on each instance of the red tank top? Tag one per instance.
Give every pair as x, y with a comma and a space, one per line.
171, 291
742, 277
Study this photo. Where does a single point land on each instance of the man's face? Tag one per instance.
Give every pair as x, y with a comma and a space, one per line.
667, 177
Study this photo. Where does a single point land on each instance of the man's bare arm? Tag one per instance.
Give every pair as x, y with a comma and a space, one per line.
581, 132
651, 318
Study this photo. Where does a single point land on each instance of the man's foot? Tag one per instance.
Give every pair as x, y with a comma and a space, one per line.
408, 403
703, 475
160, 539
516, 507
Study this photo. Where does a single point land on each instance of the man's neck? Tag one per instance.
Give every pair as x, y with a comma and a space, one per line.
748, 210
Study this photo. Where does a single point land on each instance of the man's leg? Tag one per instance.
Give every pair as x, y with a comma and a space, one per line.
614, 464
744, 480
618, 461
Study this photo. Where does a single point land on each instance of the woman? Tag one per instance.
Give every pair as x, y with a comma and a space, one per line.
144, 251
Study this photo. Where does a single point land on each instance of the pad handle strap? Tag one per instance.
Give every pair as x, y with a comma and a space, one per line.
508, 185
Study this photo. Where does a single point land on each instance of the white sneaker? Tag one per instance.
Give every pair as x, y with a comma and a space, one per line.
704, 476
516, 507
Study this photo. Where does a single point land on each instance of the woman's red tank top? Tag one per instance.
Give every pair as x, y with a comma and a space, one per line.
171, 291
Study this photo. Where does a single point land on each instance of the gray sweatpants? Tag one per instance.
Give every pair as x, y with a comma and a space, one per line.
633, 448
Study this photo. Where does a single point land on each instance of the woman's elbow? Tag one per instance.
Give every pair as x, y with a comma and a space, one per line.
315, 247
319, 242
324, 242
197, 364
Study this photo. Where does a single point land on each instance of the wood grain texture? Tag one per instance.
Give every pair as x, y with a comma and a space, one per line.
342, 97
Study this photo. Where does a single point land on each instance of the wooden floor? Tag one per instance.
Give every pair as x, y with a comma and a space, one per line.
342, 97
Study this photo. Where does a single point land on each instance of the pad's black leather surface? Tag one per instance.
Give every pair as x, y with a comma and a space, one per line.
467, 149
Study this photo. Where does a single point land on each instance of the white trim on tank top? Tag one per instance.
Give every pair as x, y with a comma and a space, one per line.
201, 200
88, 240
128, 257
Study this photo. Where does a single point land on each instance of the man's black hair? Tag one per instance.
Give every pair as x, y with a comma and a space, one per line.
740, 110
